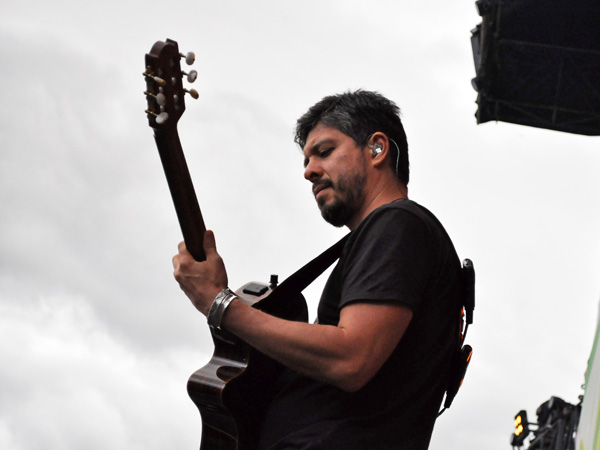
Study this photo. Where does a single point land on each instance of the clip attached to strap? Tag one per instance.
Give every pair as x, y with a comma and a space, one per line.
457, 375
468, 274
462, 356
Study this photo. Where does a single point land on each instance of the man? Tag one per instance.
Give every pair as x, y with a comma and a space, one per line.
371, 373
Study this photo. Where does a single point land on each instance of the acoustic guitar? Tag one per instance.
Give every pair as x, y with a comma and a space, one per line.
234, 389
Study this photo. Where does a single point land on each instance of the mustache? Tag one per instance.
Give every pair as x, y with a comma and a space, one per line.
321, 184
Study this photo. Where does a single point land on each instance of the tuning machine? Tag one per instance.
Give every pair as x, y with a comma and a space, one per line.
164, 82
192, 75
193, 93
189, 58
160, 97
160, 118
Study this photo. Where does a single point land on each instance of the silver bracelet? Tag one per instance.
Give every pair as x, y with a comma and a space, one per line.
218, 307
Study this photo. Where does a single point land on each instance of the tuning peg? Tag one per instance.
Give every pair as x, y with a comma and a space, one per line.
160, 118
192, 76
193, 93
160, 98
157, 80
190, 57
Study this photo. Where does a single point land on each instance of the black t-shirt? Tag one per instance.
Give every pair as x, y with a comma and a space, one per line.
400, 253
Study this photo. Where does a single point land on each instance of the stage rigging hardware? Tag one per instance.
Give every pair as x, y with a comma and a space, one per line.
555, 428
537, 63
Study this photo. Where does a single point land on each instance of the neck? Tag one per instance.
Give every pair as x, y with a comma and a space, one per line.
378, 198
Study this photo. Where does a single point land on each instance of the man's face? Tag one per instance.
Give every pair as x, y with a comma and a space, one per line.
336, 167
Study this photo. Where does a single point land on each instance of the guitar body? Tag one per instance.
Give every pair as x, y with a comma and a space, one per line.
233, 390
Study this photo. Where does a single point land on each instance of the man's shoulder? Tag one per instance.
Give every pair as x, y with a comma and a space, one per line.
401, 220
399, 212
392, 223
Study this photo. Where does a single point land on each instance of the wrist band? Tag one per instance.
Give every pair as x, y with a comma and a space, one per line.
218, 307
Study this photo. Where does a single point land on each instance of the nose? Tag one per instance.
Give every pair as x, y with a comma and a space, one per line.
312, 170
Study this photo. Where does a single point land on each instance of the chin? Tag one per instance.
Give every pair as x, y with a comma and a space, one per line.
337, 213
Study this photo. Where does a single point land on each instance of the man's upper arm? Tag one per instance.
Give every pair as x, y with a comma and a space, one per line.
373, 330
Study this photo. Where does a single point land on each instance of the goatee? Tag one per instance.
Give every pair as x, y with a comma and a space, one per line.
340, 211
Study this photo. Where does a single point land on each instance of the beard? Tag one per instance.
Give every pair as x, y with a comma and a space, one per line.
342, 208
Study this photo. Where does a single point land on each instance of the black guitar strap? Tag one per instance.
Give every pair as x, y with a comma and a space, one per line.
298, 281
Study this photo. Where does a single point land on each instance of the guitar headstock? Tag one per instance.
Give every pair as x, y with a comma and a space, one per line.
164, 84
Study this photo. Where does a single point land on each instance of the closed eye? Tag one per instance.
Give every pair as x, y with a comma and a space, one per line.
321, 150
326, 152
321, 153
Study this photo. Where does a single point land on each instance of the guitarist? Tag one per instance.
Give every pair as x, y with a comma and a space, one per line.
371, 373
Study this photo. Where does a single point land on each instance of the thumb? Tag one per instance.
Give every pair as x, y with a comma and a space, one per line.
209, 244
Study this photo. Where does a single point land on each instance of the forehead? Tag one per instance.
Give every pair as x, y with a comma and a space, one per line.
321, 135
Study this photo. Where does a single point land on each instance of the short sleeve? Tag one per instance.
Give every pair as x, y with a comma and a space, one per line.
388, 260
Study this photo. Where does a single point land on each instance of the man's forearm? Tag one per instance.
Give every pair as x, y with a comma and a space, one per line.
347, 355
317, 351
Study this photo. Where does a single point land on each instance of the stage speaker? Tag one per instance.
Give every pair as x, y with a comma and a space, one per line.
537, 63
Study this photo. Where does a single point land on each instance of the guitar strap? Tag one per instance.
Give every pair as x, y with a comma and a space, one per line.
297, 282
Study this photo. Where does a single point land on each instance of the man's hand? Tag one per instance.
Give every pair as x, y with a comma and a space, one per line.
201, 281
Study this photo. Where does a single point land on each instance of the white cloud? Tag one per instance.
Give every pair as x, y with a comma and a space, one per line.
72, 385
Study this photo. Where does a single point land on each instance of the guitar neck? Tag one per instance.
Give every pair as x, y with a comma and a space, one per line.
182, 191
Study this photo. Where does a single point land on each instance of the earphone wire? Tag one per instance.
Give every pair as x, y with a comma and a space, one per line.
397, 152
397, 155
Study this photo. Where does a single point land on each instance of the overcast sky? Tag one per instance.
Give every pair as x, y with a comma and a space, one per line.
96, 339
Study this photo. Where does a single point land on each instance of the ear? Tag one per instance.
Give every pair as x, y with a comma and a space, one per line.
379, 148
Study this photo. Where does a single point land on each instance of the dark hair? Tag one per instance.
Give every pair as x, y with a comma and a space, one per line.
359, 114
